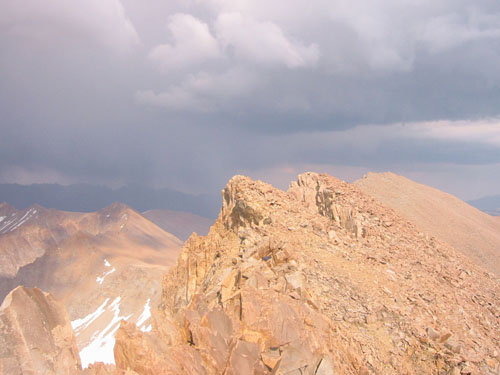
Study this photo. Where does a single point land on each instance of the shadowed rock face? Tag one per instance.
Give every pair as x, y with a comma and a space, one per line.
321, 279
36, 335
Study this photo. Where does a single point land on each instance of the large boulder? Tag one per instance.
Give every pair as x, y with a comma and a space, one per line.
36, 335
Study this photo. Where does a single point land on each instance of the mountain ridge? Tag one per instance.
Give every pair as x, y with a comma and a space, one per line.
90, 198
489, 204
439, 214
319, 279
181, 224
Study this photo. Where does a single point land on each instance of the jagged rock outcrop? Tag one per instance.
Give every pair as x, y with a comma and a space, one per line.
36, 335
321, 279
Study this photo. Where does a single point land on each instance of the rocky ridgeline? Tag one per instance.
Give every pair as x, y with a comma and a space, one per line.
320, 279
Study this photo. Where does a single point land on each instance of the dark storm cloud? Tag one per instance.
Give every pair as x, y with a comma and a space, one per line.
185, 94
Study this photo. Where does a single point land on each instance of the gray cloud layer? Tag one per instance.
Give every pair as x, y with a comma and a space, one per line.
186, 93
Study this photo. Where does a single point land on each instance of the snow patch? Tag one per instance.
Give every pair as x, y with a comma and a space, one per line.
106, 263
100, 280
101, 347
14, 223
79, 324
145, 316
2, 218
149, 328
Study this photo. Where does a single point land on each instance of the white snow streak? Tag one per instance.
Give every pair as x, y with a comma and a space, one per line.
100, 280
2, 218
146, 315
102, 343
14, 222
80, 324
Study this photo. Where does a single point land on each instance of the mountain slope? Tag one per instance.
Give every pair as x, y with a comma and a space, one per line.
180, 224
474, 233
321, 279
490, 205
105, 266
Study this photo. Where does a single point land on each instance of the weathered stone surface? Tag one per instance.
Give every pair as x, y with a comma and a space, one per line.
36, 335
321, 279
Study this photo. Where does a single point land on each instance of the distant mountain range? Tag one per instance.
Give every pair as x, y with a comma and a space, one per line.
89, 198
490, 205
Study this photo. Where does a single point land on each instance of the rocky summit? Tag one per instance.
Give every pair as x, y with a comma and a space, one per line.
320, 279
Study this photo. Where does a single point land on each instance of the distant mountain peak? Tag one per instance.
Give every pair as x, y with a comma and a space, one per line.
5, 208
115, 208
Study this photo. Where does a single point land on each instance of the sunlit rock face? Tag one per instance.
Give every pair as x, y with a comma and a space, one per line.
321, 279
36, 335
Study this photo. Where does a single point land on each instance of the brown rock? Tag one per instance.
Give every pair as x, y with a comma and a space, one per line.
453, 345
295, 301
325, 367
36, 335
271, 358
467, 370
433, 334
444, 337
245, 360
100, 368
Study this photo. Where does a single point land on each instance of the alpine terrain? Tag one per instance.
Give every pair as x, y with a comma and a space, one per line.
473, 232
104, 266
321, 279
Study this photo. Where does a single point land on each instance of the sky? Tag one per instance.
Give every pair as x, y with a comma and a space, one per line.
185, 94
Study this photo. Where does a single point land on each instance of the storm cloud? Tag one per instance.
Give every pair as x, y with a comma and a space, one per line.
184, 94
